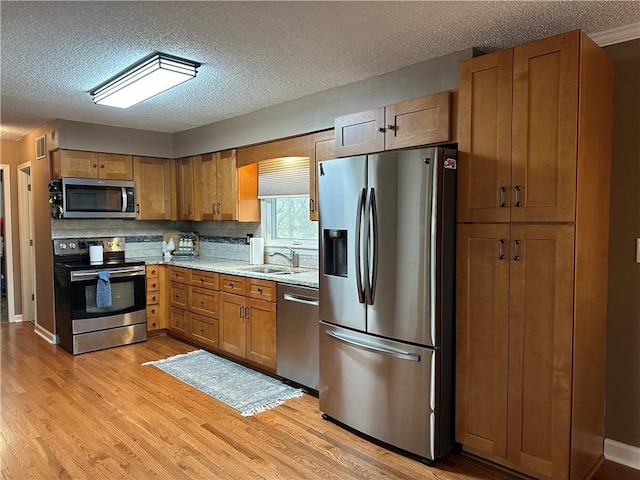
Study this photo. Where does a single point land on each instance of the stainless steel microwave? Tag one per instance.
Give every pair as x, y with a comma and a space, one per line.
92, 198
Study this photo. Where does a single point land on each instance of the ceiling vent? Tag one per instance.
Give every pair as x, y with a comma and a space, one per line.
41, 147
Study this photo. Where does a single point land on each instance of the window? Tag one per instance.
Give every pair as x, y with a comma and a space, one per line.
286, 222
283, 187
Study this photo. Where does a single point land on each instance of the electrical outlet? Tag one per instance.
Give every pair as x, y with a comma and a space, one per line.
249, 237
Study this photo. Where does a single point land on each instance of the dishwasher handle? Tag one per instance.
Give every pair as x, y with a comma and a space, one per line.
301, 299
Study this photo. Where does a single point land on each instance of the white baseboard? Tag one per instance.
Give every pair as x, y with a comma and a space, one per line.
622, 453
46, 334
16, 318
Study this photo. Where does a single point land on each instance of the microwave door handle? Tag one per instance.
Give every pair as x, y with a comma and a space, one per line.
124, 199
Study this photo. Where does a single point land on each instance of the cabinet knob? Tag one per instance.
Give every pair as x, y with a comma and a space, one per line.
102, 166
202, 302
153, 310
231, 284
177, 296
380, 129
154, 286
202, 331
202, 279
153, 324
259, 289
95, 165
153, 297
391, 127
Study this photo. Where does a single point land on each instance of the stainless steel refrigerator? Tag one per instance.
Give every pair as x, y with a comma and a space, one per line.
387, 245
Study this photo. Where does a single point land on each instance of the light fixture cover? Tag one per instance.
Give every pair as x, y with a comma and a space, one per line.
148, 77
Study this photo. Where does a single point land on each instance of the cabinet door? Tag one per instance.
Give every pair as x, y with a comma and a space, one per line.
232, 324
261, 332
324, 148
540, 348
482, 293
209, 185
78, 164
227, 182
187, 170
419, 121
115, 167
359, 133
179, 321
545, 120
484, 138
153, 188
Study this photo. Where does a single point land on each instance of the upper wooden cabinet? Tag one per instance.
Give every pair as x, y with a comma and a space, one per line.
288, 147
154, 185
518, 133
107, 166
323, 149
226, 191
420, 121
188, 196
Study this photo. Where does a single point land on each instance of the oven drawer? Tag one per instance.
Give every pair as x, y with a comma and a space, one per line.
113, 337
85, 325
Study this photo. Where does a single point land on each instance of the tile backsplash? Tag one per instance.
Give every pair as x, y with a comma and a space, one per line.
144, 238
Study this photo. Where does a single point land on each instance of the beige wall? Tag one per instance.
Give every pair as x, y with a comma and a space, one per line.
623, 332
41, 221
9, 156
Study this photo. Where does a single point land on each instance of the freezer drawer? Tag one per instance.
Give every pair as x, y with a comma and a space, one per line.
379, 387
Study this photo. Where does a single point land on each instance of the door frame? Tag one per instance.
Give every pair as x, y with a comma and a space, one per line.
26, 227
8, 242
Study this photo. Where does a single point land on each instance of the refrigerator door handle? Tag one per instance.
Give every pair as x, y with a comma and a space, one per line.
358, 242
371, 260
391, 352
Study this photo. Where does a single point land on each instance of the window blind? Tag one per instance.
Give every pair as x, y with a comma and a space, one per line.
283, 177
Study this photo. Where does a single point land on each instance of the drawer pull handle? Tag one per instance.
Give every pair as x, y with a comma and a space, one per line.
202, 302
516, 255
202, 279
231, 284
202, 331
259, 289
153, 285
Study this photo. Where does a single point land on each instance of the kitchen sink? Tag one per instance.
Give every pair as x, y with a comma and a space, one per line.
271, 270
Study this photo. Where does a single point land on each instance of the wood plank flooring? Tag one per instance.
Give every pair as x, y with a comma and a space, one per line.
104, 416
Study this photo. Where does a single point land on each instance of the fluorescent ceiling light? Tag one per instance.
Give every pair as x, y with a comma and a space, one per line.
148, 77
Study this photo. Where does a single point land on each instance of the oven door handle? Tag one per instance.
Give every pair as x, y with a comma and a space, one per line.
113, 273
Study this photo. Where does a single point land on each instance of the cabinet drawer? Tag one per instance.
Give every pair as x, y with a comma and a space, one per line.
153, 323
179, 321
261, 289
232, 284
179, 274
152, 311
179, 295
153, 284
204, 330
204, 301
153, 271
201, 278
153, 297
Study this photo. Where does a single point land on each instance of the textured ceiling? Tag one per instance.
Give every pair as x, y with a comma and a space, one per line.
253, 54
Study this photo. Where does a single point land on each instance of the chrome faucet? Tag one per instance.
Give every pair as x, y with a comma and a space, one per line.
292, 258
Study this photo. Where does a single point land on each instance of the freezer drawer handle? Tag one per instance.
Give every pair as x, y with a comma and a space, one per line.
300, 299
391, 352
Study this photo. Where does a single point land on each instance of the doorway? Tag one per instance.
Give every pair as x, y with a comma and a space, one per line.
7, 306
27, 254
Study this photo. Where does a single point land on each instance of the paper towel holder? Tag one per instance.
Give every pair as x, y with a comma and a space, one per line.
256, 251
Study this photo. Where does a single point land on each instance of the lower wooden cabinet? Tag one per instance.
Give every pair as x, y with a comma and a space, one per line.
156, 276
248, 320
514, 350
239, 318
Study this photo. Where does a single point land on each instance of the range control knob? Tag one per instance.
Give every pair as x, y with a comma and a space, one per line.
108, 244
72, 245
62, 246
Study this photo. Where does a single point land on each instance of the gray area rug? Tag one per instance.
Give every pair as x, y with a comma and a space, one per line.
242, 388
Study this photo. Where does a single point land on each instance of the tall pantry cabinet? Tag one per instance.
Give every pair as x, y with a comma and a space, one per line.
533, 217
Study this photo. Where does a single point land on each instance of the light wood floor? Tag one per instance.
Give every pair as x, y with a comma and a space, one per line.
104, 416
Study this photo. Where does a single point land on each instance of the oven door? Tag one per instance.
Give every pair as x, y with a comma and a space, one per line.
127, 291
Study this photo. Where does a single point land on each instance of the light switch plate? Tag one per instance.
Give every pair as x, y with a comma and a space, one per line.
637, 250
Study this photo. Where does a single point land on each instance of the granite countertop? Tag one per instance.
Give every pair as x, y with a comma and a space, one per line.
305, 277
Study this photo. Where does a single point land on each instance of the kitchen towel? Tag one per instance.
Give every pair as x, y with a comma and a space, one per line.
103, 290
256, 251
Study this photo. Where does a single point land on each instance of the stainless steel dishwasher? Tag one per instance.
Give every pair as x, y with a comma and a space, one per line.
297, 335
